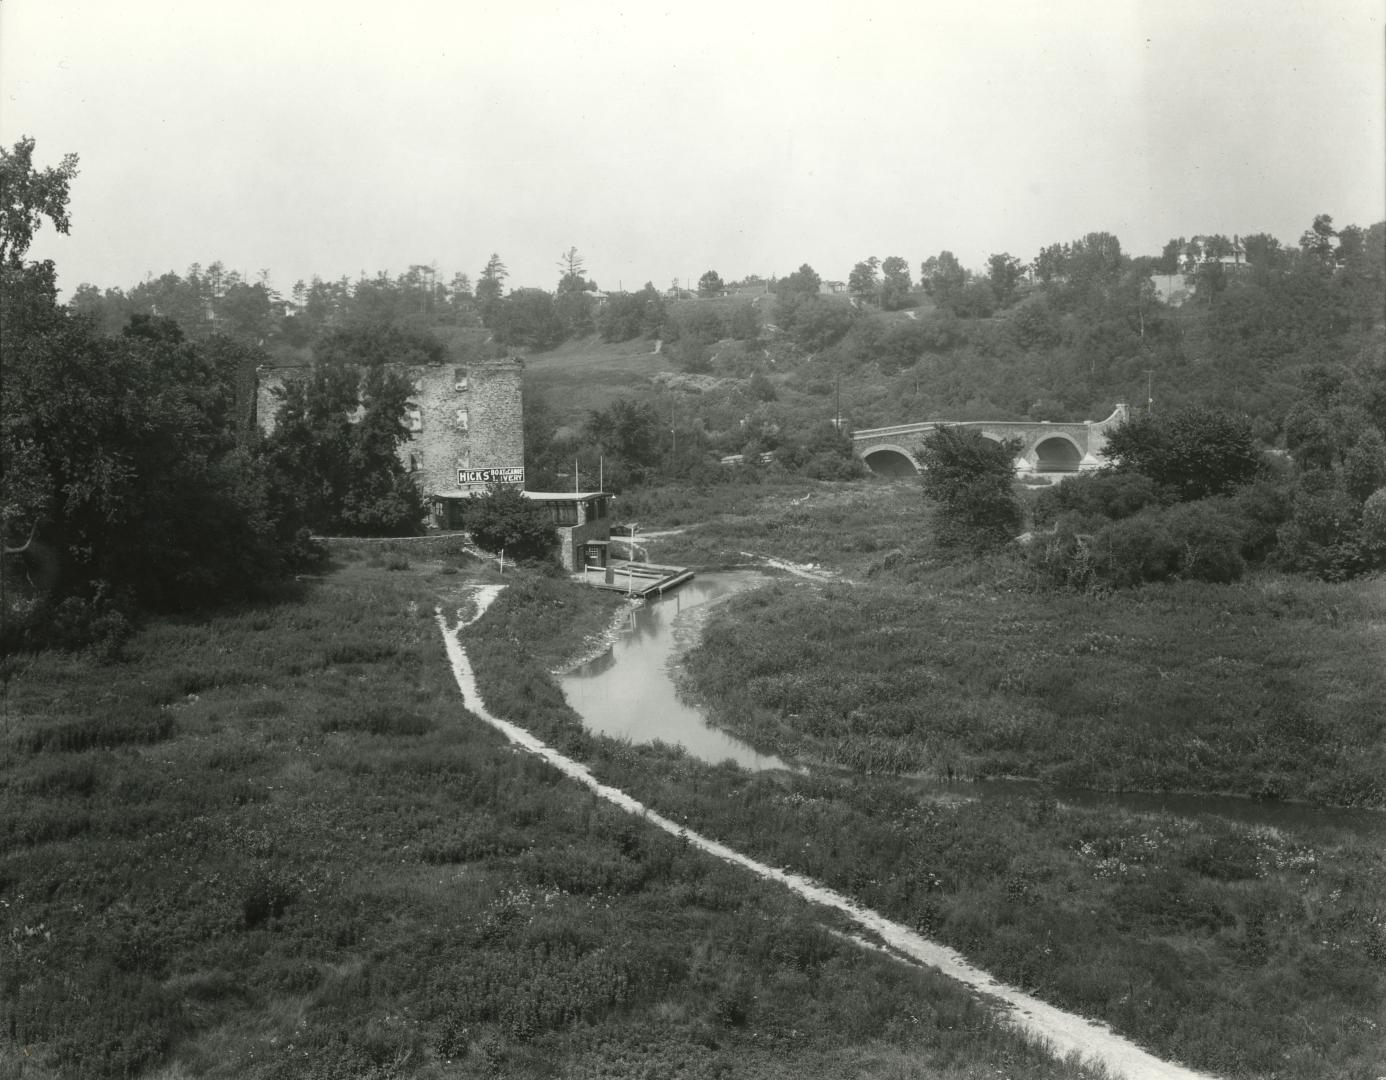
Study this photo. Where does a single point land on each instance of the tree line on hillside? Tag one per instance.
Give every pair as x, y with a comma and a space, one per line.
1079, 327
134, 467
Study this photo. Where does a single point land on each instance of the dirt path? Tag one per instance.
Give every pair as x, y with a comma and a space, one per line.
1066, 1033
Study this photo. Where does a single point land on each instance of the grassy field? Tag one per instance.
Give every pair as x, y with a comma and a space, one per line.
271, 843
588, 374
1252, 951
1270, 687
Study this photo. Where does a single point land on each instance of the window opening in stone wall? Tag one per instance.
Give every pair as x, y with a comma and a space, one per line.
459, 379
414, 464
464, 418
413, 417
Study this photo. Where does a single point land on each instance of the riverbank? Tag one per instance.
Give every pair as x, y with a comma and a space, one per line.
271, 843
1242, 950
1246, 949
1069, 1037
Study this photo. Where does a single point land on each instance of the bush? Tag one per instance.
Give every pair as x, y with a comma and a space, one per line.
970, 477
1202, 541
1195, 452
1322, 535
1209, 537
1105, 493
504, 520
1135, 550
1373, 530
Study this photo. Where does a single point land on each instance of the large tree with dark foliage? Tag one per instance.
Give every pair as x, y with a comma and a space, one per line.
129, 463
335, 451
970, 479
1193, 453
28, 196
127, 459
504, 520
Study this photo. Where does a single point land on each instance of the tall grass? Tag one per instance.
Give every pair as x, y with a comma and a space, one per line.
279, 847
1270, 688
1245, 950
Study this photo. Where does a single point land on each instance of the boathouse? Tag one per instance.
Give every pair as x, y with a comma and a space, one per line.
582, 520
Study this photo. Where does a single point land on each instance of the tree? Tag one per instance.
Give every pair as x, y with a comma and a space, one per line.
1051, 264
942, 275
971, 478
504, 520
628, 433
803, 282
128, 467
895, 283
527, 317
335, 450
862, 281
375, 344
711, 284
1193, 453
1170, 256
126, 463
1317, 241
27, 196
490, 287
629, 315
573, 304
1003, 271
571, 266
744, 324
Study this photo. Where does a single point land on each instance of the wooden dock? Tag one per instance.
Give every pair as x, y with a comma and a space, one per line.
635, 578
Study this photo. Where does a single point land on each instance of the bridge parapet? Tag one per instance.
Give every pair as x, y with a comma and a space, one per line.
1046, 447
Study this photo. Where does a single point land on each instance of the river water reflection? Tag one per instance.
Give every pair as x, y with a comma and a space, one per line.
628, 692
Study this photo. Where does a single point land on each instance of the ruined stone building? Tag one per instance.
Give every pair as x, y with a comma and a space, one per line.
466, 427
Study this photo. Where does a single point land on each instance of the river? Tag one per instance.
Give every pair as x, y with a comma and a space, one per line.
629, 693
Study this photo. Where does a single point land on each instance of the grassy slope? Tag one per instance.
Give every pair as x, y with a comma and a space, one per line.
1245, 950
581, 376
271, 843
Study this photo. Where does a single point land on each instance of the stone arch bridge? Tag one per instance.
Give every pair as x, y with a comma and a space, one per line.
1047, 448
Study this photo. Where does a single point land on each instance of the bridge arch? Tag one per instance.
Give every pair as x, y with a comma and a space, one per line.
888, 460
1058, 453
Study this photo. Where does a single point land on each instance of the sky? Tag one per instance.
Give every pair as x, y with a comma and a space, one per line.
309, 138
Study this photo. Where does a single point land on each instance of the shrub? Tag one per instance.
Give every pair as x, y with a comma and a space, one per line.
1135, 550
1373, 530
1105, 493
1322, 535
1202, 541
970, 478
1264, 505
1195, 452
504, 520
1209, 537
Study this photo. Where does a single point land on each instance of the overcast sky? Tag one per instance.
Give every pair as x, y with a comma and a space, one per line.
335, 138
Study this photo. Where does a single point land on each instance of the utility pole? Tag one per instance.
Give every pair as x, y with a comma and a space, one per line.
1149, 391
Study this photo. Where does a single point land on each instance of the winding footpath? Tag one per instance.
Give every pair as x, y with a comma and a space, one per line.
1066, 1033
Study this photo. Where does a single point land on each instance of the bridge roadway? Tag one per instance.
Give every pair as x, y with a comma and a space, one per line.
1045, 447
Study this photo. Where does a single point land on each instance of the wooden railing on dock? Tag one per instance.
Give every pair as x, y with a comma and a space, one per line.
635, 578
